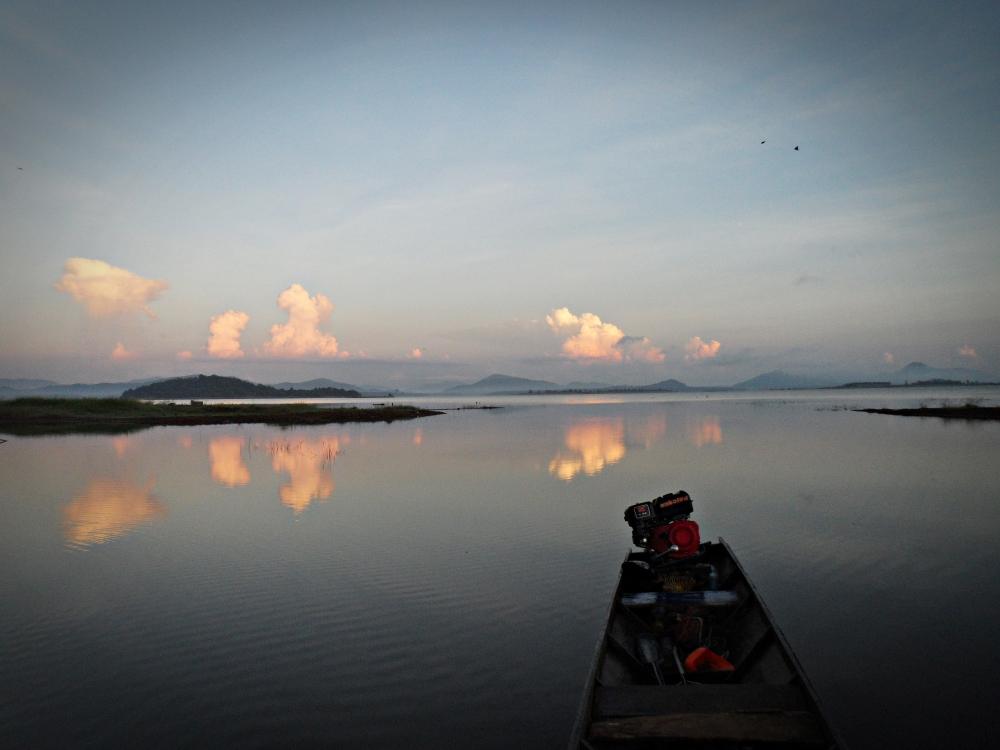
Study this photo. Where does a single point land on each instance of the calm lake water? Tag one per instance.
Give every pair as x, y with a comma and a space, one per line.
442, 581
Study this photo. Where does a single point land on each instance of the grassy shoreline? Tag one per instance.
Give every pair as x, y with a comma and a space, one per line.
37, 416
966, 411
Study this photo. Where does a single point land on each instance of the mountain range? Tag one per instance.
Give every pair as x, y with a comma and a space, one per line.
492, 385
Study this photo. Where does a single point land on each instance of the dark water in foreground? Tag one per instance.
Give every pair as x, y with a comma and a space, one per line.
442, 581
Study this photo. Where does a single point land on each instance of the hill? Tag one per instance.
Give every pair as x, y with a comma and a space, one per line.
217, 386
670, 385
364, 390
497, 384
21, 384
778, 379
919, 371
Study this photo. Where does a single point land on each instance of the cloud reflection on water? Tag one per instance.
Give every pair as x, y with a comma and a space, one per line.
109, 508
226, 454
309, 465
591, 445
705, 431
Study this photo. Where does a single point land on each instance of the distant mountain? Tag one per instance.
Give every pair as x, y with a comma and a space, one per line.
364, 390
18, 384
576, 385
670, 385
777, 380
87, 390
217, 386
918, 371
497, 384
316, 383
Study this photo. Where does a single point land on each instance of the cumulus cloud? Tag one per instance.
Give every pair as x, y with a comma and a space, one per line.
300, 336
224, 333
107, 290
968, 352
120, 353
888, 358
416, 353
696, 349
590, 338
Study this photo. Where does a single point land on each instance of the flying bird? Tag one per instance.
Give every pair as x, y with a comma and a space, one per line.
21, 168
763, 142
796, 148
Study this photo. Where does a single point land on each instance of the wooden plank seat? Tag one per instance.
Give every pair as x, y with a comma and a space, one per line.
793, 727
655, 700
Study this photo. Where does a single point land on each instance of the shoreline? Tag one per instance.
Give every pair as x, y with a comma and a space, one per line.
968, 411
40, 416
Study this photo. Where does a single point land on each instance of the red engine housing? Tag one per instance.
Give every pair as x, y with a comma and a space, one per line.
684, 534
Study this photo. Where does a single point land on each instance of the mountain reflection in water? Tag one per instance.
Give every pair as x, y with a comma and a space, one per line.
107, 509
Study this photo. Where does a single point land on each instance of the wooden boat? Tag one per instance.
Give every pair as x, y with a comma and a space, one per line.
764, 699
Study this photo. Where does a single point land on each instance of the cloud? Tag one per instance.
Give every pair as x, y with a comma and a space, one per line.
300, 336
888, 358
416, 353
120, 353
224, 333
968, 352
807, 278
107, 290
696, 349
184, 354
591, 339
640, 349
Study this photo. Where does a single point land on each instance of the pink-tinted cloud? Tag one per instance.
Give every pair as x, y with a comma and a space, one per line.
107, 290
120, 353
968, 352
591, 339
224, 333
889, 358
184, 355
301, 336
696, 349
416, 353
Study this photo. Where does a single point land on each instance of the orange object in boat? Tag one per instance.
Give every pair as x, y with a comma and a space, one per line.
705, 660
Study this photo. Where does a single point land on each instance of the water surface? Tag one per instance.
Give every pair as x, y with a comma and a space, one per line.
443, 580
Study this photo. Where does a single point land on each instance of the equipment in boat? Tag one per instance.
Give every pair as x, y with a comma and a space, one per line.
664, 526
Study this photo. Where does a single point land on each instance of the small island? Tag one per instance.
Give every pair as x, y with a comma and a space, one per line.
39, 416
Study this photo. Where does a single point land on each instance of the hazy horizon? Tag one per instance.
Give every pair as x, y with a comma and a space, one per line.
384, 194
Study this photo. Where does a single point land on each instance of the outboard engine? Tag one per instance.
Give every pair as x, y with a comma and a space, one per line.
662, 525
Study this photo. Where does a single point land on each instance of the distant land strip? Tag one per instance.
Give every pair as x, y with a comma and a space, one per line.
36, 416
966, 411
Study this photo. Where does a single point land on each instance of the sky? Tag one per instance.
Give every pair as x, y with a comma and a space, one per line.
414, 193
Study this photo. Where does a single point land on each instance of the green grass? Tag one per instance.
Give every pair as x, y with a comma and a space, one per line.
24, 416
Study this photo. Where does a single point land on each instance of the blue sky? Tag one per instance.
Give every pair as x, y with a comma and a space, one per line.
449, 175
